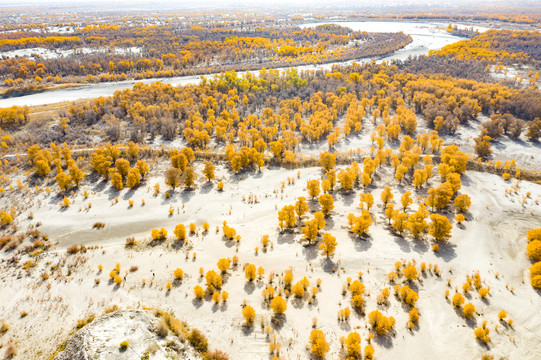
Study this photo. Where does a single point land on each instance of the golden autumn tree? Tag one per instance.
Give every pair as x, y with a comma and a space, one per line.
301, 207
208, 170
286, 217
250, 272
417, 224
133, 178
439, 227
386, 196
278, 305
327, 203
172, 177
180, 232
327, 161
468, 310
249, 315
310, 230
318, 345
331, 177
380, 323
353, 345
346, 179
313, 188
366, 200
328, 244
122, 166
410, 273
462, 203
188, 177
63, 180
116, 180
400, 221
143, 168
360, 224
406, 200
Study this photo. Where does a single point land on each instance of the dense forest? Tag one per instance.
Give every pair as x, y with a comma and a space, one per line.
506, 46
112, 52
292, 107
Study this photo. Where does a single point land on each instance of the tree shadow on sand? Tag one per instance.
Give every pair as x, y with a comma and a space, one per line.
286, 237
361, 243
328, 265
247, 330
385, 341
197, 303
206, 187
278, 321
249, 287
446, 252
347, 198
402, 243
310, 251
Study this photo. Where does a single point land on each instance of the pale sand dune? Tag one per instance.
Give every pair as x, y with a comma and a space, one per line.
492, 241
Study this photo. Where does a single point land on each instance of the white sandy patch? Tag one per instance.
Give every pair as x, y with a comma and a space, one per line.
491, 241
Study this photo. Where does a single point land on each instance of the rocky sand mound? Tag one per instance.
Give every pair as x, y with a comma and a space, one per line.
102, 339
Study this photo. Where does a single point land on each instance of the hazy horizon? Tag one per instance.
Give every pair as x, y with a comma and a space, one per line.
260, 4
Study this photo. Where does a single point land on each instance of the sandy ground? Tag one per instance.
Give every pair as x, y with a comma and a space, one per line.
492, 240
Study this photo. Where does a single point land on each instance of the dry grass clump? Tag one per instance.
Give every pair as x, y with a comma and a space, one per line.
130, 242
98, 225
83, 322
74, 249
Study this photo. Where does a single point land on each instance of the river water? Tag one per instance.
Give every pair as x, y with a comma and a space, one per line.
426, 37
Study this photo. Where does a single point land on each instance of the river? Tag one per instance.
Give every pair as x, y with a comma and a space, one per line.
426, 37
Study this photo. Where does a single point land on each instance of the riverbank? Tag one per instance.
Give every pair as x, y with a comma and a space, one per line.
428, 37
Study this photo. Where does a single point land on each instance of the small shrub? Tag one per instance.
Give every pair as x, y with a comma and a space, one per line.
98, 225
4, 328
458, 299
162, 329
483, 292
278, 305
124, 345
118, 280
199, 292
217, 355
11, 351
73, 249
481, 333
178, 273
468, 310
249, 314
130, 241
160, 234
198, 341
